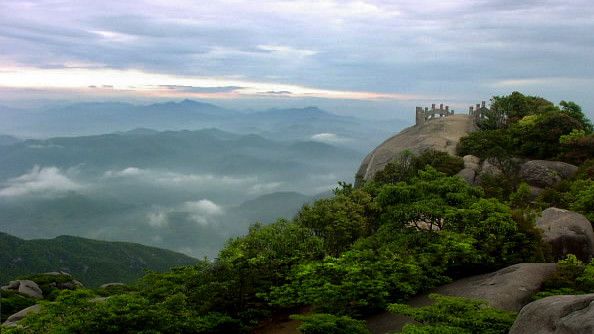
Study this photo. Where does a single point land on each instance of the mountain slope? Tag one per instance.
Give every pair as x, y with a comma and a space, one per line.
93, 262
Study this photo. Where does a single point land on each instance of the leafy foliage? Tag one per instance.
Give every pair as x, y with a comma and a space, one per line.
338, 221
13, 301
424, 230
572, 278
576, 195
407, 165
78, 312
456, 315
323, 323
531, 127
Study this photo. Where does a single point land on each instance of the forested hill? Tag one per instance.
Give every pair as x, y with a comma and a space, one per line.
93, 262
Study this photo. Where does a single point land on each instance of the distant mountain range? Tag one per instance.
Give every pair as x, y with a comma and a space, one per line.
91, 261
179, 175
100, 118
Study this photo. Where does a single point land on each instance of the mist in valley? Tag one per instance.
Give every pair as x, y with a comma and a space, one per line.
172, 184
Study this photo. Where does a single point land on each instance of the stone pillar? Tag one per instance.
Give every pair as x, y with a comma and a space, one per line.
420, 116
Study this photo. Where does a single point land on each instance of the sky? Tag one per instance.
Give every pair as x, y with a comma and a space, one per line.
376, 59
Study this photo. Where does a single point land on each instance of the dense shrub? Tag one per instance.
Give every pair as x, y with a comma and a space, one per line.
456, 315
572, 278
323, 323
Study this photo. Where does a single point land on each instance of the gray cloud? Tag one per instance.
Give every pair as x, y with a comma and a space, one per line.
455, 49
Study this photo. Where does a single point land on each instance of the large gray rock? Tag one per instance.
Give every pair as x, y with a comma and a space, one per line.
26, 287
441, 134
557, 315
22, 314
30, 288
509, 289
472, 166
543, 173
567, 232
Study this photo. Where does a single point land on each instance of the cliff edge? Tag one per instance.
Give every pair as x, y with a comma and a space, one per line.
441, 134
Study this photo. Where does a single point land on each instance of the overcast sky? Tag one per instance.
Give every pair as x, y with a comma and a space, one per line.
372, 58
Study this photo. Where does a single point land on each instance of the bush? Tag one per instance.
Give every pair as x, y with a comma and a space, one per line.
323, 323
12, 302
572, 278
486, 144
441, 161
456, 315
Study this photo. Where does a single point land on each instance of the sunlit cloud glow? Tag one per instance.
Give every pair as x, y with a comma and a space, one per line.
164, 84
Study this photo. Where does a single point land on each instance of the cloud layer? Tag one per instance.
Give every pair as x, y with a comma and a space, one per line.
45, 181
459, 51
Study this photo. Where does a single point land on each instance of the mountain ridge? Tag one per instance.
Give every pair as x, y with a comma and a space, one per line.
94, 262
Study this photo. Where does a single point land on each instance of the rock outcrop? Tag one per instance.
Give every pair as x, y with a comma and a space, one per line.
59, 283
26, 287
567, 232
557, 315
441, 134
509, 289
22, 314
472, 166
543, 173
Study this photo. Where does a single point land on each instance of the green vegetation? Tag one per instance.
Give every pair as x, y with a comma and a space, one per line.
455, 315
93, 262
366, 249
13, 301
572, 278
531, 127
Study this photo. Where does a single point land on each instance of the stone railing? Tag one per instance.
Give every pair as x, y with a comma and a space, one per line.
423, 115
479, 113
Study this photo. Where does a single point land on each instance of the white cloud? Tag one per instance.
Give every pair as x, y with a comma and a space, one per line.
287, 50
326, 137
130, 171
173, 179
39, 181
112, 36
202, 211
203, 206
157, 219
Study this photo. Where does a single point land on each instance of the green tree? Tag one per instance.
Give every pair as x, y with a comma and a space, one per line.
575, 111
339, 221
511, 108
581, 197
